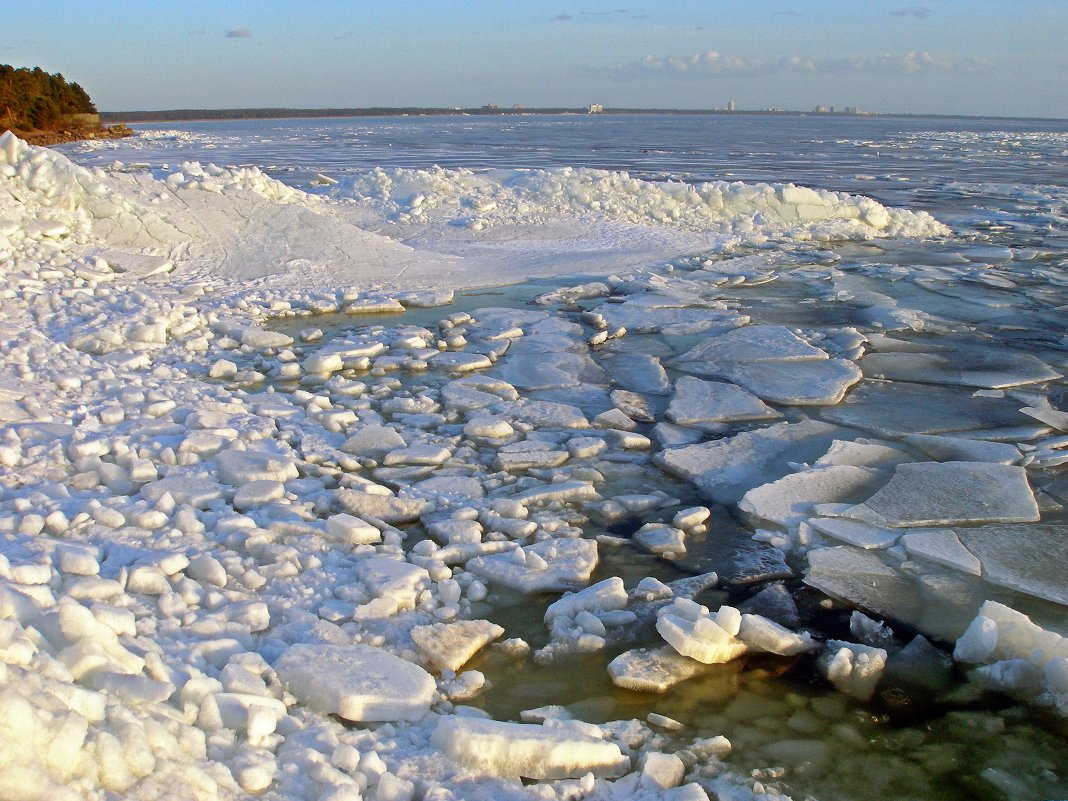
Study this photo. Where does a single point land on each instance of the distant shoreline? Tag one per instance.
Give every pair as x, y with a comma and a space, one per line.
210, 115
65, 135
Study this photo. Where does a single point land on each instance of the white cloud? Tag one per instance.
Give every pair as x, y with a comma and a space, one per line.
712, 63
920, 12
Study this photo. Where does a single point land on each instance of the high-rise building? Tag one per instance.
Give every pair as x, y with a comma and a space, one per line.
730, 105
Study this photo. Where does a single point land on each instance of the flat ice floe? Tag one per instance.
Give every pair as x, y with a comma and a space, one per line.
220, 538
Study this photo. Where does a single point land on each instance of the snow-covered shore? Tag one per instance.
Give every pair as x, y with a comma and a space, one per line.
207, 588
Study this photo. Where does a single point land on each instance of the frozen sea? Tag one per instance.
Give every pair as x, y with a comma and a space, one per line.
609, 457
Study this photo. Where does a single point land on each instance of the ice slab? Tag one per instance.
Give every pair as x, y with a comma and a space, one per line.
653, 670
637, 372
774, 363
450, 645
863, 579
943, 547
751, 343
360, 683
862, 453
243, 467
394, 579
724, 470
949, 493
546, 566
373, 441
893, 409
990, 368
548, 370
801, 383
390, 509
762, 634
1027, 558
790, 499
854, 532
960, 449
708, 404
498, 748
634, 405
604, 596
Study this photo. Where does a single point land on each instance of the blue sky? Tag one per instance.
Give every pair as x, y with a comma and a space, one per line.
920, 56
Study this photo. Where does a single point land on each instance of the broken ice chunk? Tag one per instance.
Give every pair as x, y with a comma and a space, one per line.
654, 670
853, 669
947, 493
498, 748
1025, 558
360, 683
725, 469
789, 500
243, 467
695, 634
986, 368
943, 547
762, 634
450, 645
853, 532
546, 566
1023, 657
863, 579
960, 449
709, 404
804, 383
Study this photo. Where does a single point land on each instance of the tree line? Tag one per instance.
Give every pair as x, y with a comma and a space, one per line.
35, 99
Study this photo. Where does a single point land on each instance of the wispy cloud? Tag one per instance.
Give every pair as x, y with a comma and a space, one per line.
712, 63
630, 12
920, 12
238, 33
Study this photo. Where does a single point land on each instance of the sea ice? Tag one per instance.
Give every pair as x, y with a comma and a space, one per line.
854, 532
790, 499
725, 469
654, 670
942, 546
451, 645
1022, 656
1027, 558
948, 493
863, 579
697, 635
360, 683
498, 748
853, 669
972, 368
709, 404
546, 566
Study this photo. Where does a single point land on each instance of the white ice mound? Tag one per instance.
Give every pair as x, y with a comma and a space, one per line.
360, 683
463, 196
531, 751
237, 222
1019, 656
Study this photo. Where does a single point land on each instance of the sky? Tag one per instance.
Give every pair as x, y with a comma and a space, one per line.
983, 57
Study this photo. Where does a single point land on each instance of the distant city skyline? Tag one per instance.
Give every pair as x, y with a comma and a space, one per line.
982, 57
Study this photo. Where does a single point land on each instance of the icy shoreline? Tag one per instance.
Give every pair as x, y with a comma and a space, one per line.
198, 571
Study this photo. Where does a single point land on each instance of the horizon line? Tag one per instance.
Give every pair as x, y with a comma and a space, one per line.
294, 112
